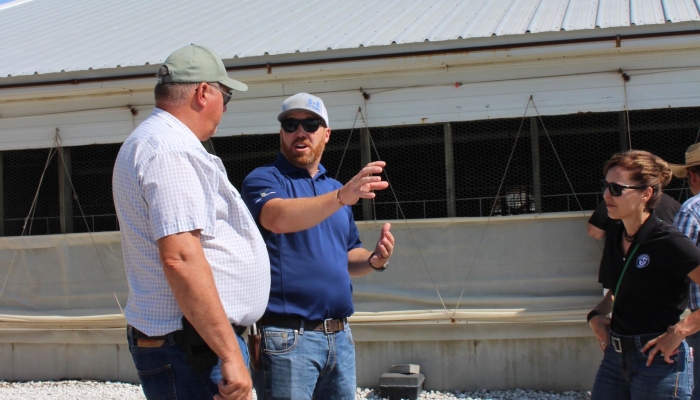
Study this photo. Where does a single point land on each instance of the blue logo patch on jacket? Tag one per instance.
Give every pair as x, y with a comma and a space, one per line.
643, 260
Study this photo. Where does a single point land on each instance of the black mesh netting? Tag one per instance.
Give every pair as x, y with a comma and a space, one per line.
416, 167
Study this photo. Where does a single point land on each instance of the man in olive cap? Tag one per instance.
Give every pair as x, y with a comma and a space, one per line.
197, 269
687, 221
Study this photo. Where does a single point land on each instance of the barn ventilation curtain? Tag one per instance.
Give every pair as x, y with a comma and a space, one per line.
511, 269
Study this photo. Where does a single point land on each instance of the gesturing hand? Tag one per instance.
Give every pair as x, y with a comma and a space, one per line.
667, 344
361, 186
384, 248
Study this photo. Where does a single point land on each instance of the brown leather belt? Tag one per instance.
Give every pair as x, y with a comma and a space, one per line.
285, 321
137, 334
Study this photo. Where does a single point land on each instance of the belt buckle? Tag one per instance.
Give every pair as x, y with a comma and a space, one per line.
616, 344
325, 326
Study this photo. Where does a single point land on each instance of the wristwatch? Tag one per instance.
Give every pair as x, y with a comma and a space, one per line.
378, 269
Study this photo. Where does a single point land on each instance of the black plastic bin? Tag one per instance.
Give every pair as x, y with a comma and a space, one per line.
401, 386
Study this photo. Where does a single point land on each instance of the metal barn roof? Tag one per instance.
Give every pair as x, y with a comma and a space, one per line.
48, 36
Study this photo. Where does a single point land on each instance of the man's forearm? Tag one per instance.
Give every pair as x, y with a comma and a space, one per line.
294, 215
190, 278
358, 262
688, 325
196, 295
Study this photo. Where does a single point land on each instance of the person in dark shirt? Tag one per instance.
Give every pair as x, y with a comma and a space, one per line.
646, 265
599, 222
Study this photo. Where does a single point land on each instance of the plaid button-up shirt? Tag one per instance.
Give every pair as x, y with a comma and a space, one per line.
165, 183
687, 221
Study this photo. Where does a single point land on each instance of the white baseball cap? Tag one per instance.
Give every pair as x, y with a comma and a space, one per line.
304, 102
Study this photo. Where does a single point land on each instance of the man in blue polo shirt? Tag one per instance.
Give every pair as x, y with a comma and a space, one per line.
314, 247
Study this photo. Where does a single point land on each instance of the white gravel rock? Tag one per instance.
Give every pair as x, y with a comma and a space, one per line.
60, 390
70, 390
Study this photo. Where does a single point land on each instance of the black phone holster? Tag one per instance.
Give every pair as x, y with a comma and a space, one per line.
201, 356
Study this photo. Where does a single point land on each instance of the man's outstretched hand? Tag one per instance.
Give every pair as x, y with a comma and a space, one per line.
363, 185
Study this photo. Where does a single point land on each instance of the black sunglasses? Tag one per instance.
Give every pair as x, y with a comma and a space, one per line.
616, 189
310, 125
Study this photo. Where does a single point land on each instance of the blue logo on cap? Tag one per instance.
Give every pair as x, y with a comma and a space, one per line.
314, 105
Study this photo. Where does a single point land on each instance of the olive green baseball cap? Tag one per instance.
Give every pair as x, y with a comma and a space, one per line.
194, 64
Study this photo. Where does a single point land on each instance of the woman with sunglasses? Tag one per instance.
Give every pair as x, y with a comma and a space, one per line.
646, 265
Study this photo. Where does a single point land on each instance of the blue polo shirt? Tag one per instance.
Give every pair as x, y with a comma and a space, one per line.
309, 269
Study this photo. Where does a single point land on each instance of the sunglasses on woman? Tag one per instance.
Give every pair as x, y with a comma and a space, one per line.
616, 189
310, 125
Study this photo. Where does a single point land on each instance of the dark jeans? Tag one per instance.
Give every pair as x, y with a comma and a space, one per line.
166, 372
625, 375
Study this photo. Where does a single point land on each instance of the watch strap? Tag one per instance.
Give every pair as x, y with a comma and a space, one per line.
378, 269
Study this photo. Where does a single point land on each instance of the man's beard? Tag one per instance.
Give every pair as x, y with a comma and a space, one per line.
305, 159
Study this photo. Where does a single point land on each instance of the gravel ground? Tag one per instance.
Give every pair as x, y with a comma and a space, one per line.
125, 391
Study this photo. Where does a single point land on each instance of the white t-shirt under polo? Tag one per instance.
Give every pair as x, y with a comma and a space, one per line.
164, 183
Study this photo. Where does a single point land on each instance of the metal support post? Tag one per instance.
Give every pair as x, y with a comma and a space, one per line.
449, 171
65, 192
2, 204
365, 158
622, 128
536, 177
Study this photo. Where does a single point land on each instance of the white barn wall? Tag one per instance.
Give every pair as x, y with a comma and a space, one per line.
495, 84
558, 363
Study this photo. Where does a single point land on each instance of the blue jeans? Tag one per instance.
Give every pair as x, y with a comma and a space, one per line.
694, 343
166, 372
299, 366
625, 376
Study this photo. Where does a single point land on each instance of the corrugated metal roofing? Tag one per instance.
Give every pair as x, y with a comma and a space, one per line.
46, 36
